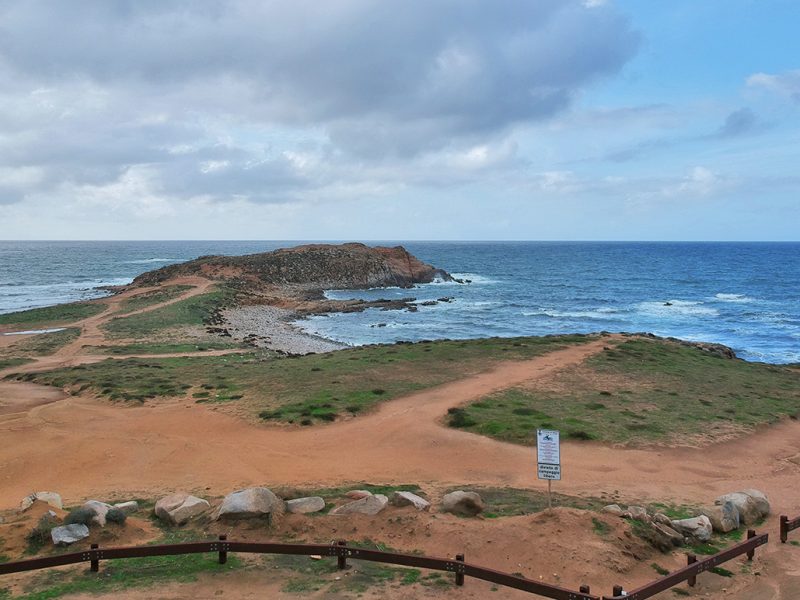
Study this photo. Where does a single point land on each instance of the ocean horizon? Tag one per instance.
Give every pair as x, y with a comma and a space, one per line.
741, 294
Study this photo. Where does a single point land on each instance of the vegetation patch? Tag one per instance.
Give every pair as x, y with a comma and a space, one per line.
53, 315
156, 348
511, 502
669, 391
304, 390
44, 344
7, 363
194, 311
119, 575
151, 298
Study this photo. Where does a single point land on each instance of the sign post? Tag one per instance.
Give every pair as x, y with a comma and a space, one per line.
548, 456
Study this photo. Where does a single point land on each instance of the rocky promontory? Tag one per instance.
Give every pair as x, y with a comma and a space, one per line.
310, 267
271, 290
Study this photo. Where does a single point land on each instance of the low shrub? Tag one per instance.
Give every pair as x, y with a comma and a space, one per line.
80, 515
115, 515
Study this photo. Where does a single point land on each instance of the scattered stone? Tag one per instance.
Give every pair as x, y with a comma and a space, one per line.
371, 505
613, 509
311, 504
723, 517
409, 499
463, 503
698, 527
64, 535
251, 503
51, 498
666, 537
747, 507
127, 507
639, 513
178, 508
762, 503
662, 519
100, 510
358, 494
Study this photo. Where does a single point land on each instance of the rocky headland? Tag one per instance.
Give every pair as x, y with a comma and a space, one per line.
271, 290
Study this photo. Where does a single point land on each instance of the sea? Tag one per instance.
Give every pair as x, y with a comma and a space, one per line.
743, 295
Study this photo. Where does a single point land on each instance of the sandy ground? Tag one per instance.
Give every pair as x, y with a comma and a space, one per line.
83, 448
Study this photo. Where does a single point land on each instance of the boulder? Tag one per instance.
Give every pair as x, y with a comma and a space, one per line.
762, 504
698, 527
665, 537
178, 508
51, 498
660, 517
127, 507
613, 509
639, 513
311, 504
371, 505
251, 503
747, 507
358, 494
409, 499
100, 510
64, 535
723, 517
463, 503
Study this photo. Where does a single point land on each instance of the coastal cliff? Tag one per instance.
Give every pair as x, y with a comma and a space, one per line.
309, 267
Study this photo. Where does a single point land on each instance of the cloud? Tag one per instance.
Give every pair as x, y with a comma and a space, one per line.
739, 122
785, 84
276, 101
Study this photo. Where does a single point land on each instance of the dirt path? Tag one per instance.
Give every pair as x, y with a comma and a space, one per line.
82, 447
144, 449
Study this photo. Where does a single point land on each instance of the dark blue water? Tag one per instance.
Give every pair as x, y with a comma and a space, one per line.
744, 295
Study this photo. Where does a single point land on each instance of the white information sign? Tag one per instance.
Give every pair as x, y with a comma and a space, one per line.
548, 450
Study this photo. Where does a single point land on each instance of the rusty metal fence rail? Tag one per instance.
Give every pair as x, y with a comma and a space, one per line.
340, 550
694, 567
787, 526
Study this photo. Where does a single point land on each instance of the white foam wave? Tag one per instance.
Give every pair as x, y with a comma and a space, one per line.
599, 314
736, 298
474, 278
147, 261
669, 308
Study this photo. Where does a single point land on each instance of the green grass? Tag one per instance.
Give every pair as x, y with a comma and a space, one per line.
193, 311
119, 575
673, 511
302, 390
511, 502
7, 363
44, 344
163, 348
151, 298
659, 569
643, 391
306, 575
601, 528
53, 315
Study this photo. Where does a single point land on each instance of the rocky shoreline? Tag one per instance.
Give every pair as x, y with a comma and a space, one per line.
271, 327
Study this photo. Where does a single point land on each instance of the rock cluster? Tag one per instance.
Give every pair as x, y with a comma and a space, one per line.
728, 513
178, 508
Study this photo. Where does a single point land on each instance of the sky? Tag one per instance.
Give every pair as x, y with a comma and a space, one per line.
400, 120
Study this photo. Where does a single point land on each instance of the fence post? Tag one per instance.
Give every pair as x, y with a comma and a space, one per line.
95, 562
460, 576
584, 589
784, 528
223, 554
342, 558
690, 560
751, 533
618, 591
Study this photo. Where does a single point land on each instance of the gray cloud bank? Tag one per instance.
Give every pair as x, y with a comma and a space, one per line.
272, 101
